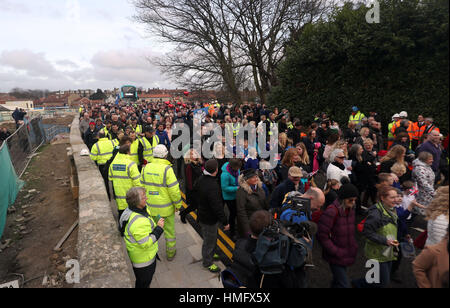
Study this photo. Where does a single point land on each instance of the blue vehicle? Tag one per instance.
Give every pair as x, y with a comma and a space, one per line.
128, 92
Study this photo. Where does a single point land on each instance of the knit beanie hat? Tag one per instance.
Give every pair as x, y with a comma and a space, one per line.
348, 191
211, 166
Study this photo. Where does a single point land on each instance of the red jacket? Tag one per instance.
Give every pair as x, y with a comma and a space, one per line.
336, 234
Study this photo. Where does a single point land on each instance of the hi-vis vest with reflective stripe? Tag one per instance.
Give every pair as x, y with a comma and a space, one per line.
142, 247
357, 118
423, 128
410, 130
163, 190
107, 133
134, 151
272, 124
102, 151
148, 147
236, 129
124, 174
390, 134
138, 129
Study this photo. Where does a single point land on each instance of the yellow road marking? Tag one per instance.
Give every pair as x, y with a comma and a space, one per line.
226, 238
224, 249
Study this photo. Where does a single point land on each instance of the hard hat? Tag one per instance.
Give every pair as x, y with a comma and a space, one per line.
160, 151
395, 116
84, 152
354, 108
403, 114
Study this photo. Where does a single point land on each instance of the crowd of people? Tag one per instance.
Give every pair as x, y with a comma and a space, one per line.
18, 116
346, 170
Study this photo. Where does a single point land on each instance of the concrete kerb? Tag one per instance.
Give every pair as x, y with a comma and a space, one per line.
102, 254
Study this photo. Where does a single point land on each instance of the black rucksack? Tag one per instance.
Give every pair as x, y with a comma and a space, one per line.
279, 249
272, 251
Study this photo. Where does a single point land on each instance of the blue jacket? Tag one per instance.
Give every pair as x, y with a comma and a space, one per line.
251, 164
163, 138
228, 183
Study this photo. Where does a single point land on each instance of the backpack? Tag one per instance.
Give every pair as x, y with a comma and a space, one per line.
277, 249
272, 251
230, 279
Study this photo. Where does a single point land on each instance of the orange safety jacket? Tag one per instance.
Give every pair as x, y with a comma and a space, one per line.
410, 130
416, 129
423, 130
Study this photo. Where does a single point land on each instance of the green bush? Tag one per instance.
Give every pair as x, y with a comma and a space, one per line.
398, 64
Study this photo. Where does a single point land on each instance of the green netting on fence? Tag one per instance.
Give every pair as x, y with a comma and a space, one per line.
10, 184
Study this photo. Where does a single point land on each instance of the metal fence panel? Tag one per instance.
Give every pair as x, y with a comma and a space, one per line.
37, 137
19, 148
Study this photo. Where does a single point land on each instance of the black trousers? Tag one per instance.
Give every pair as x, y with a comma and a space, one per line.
192, 205
104, 172
144, 276
396, 263
231, 204
120, 214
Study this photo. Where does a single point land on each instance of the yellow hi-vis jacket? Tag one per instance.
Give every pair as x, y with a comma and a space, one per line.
272, 124
148, 147
107, 133
102, 151
142, 245
138, 129
163, 190
236, 129
124, 174
357, 118
134, 151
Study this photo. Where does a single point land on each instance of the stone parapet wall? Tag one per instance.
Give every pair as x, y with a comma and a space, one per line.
102, 254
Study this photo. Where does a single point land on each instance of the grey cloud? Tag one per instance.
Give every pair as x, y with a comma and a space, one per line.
108, 69
67, 63
35, 64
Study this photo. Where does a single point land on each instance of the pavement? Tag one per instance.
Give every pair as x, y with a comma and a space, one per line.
186, 269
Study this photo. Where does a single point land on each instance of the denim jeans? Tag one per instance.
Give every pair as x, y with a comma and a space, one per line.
340, 277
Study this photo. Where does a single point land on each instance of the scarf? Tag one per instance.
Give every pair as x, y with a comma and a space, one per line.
235, 174
340, 166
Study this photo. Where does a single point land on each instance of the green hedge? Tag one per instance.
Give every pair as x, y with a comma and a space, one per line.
398, 64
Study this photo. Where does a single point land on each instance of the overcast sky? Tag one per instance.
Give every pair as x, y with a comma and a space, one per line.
75, 44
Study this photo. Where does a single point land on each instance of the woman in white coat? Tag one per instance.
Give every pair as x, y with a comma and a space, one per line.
437, 216
336, 169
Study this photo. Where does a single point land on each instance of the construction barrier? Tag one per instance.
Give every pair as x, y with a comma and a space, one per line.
14, 158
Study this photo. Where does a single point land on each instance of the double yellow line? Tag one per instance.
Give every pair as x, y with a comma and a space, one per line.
224, 237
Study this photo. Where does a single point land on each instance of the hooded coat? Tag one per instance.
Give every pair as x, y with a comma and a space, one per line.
248, 202
228, 183
336, 234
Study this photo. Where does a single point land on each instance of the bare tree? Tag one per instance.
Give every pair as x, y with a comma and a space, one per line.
226, 44
203, 32
264, 29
